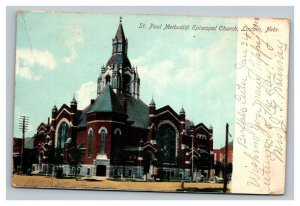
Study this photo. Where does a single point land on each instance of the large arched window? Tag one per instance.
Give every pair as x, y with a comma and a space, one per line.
166, 143
102, 141
126, 85
90, 141
62, 135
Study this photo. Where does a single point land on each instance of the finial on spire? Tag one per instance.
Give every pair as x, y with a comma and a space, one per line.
120, 19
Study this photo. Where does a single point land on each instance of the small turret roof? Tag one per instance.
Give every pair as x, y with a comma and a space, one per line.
54, 108
152, 103
73, 102
182, 111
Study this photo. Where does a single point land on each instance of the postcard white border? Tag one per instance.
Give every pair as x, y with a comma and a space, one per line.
31, 192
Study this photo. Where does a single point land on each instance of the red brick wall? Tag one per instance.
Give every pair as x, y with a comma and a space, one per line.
219, 154
17, 145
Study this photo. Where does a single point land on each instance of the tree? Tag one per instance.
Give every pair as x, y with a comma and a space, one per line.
56, 157
75, 157
30, 157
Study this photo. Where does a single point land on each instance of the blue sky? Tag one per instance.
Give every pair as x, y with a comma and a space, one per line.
59, 54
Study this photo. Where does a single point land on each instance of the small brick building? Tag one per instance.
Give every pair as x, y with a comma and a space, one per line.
219, 158
120, 135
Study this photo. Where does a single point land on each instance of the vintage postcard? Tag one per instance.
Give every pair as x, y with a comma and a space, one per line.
150, 102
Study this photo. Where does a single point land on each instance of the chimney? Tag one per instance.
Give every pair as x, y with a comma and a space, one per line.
92, 101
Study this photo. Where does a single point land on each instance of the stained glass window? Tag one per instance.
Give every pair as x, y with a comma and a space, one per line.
102, 143
62, 135
167, 143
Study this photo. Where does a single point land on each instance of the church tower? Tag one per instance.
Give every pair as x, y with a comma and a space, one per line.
118, 71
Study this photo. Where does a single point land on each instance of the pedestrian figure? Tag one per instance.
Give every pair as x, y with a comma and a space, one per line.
182, 184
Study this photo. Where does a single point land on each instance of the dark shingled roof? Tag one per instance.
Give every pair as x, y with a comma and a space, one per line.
137, 111
81, 116
119, 59
107, 101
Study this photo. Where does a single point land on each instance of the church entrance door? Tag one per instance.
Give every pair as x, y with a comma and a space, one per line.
101, 170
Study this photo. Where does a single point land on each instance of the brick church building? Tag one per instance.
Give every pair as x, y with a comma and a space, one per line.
120, 135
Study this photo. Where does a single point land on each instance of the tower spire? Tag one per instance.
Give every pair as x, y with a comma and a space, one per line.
120, 36
74, 102
152, 103
182, 110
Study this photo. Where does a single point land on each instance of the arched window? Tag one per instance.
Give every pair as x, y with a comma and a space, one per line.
119, 47
117, 131
166, 143
127, 81
107, 79
62, 135
90, 141
102, 142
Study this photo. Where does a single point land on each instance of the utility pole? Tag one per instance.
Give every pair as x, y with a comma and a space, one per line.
23, 126
225, 159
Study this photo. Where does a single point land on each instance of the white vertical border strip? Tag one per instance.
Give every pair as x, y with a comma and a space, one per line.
259, 157
3, 119
296, 78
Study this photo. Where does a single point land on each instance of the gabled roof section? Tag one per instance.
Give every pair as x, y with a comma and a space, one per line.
43, 125
64, 106
107, 101
167, 108
204, 127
